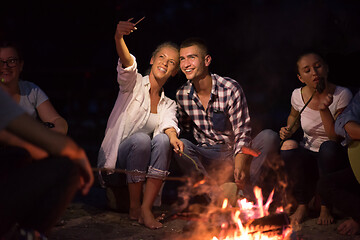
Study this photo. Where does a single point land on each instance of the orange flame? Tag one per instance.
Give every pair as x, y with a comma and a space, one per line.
244, 232
259, 198
199, 183
225, 203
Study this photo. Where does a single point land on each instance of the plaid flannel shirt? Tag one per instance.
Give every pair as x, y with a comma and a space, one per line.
228, 99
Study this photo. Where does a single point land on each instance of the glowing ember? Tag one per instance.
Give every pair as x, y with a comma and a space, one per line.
199, 183
225, 203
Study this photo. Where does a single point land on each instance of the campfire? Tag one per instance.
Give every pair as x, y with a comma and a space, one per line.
253, 221
245, 221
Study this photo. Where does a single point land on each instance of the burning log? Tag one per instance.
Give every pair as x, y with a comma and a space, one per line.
247, 221
222, 223
272, 224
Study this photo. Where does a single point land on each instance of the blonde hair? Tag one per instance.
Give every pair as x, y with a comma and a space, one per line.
165, 44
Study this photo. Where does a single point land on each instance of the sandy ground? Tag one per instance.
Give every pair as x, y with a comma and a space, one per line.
88, 218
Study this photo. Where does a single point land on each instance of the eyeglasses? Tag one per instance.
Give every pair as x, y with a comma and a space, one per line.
12, 62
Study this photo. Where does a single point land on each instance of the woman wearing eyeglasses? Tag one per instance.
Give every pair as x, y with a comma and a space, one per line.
27, 94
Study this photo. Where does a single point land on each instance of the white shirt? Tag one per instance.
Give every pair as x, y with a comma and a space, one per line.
131, 112
150, 124
311, 123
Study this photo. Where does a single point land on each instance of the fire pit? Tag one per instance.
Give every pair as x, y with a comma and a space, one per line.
247, 220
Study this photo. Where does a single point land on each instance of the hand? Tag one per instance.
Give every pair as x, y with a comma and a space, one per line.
78, 156
177, 144
86, 174
239, 176
124, 28
349, 227
285, 133
326, 102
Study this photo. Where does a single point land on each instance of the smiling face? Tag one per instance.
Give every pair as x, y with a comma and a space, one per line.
312, 70
194, 63
165, 63
12, 73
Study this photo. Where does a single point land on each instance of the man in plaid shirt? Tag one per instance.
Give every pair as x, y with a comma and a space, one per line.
215, 111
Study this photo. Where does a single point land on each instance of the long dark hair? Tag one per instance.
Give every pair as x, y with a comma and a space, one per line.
307, 52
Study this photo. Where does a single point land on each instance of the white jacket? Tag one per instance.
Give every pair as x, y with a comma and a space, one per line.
131, 112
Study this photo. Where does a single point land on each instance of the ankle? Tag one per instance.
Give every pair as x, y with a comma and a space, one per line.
145, 209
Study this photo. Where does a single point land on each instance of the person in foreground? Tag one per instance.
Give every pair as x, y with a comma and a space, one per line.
35, 192
341, 187
27, 94
142, 126
320, 144
214, 109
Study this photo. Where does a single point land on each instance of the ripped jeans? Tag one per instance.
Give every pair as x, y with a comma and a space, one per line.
148, 157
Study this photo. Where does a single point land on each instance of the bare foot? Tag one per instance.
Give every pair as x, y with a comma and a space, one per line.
148, 219
134, 213
299, 215
349, 227
325, 217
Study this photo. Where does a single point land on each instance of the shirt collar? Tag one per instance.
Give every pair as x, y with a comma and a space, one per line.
214, 88
146, 83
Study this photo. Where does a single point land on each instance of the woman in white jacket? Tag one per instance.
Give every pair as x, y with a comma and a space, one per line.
142, 126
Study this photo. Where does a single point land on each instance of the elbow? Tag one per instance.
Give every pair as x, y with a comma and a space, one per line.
353, 130
61, 125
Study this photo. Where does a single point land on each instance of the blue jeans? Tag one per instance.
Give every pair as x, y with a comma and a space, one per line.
205, 158
145, 156
215, 157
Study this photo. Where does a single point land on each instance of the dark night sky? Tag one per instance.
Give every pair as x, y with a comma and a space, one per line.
69, 48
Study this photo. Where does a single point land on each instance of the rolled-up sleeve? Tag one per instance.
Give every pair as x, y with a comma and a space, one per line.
350, 114
169, 118
126, 77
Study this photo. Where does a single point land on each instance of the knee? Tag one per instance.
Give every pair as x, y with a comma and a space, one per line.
268, 139
161, 139
269, 135
331, 156
329, 147
187, 144
289, 144
289, 154
140, 142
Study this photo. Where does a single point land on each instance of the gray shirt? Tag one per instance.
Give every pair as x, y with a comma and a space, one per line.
31, 96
